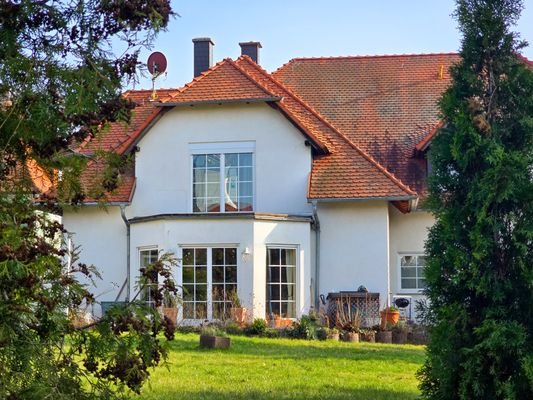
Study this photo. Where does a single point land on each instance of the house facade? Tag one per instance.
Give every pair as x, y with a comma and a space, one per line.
279, 187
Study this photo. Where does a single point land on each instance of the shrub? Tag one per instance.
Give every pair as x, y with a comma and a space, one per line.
322, 333
258, 326
303, 329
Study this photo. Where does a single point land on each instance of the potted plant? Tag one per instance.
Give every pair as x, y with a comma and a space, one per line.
399, 333
237, 311
349, 321
334, 334
213, 338
389, 316
368, 335
277, 322
169, 308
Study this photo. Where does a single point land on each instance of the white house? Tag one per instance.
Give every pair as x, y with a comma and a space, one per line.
282, 186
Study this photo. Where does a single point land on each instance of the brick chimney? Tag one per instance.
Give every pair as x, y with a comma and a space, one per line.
203, 55
251, 49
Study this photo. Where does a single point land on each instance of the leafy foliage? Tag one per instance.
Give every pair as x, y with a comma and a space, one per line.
60, 80
60, 83
41, 351
480, 270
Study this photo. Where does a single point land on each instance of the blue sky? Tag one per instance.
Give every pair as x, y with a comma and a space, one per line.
311, 28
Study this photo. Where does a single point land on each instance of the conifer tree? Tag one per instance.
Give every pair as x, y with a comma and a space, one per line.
480, 267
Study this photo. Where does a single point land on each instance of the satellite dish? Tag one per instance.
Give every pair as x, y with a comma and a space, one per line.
157, 64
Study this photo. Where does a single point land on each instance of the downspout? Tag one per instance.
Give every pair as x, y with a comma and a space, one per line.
128, 230
317, 253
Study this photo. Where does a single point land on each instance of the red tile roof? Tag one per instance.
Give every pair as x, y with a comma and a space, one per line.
384, 104
223, 82
346, 171
364, 115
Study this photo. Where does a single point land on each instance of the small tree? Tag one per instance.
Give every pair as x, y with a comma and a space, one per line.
480, 268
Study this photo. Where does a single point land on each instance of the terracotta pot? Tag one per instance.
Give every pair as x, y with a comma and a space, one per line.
214, 342
279, 323
384, 337
334, 336
171, 313
389, 318
350, 337
238, 314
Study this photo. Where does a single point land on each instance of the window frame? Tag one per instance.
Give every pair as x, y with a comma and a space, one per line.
209, 281
296, 249
402, 290
141, 249
221, 149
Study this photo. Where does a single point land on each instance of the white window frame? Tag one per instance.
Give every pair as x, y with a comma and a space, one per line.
296, 249
221, 148
140, 249
209, 260
399, 272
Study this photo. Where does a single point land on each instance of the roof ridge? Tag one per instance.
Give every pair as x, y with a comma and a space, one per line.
321, 118
234, 64
200, 77
372, 56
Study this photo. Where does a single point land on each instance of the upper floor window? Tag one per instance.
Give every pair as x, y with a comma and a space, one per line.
223, 181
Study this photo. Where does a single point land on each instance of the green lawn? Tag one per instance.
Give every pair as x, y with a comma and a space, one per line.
260, 368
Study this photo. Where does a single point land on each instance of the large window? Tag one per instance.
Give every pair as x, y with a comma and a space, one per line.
146, 258
222, 182
281, 282
209, 282
412, 272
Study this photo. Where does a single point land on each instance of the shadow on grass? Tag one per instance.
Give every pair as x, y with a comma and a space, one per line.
297, 349
289, 393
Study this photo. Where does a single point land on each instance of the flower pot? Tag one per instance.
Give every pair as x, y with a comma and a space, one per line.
214, 342
171, 313
238, 314
369, 337
384, 337
399, 337
389, 318
350, 337
334, 336
279, 323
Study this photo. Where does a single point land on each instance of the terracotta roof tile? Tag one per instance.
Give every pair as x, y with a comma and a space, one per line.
383, 104
348, 171
223, 82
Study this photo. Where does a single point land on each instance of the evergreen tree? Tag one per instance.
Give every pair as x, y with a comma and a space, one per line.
480, 268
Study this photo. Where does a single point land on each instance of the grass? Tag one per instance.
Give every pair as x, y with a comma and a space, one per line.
260, 368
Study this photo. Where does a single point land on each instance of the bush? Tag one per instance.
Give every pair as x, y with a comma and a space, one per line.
322, 333
258, 326
273, 333
304, 329
233, 328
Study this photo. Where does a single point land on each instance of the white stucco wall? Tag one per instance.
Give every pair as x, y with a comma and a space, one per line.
408, 233
164, 162
287, 234
174, 234
354, 248
101, 233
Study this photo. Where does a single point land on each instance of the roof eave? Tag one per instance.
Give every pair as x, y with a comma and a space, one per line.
367, 198
220, 101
